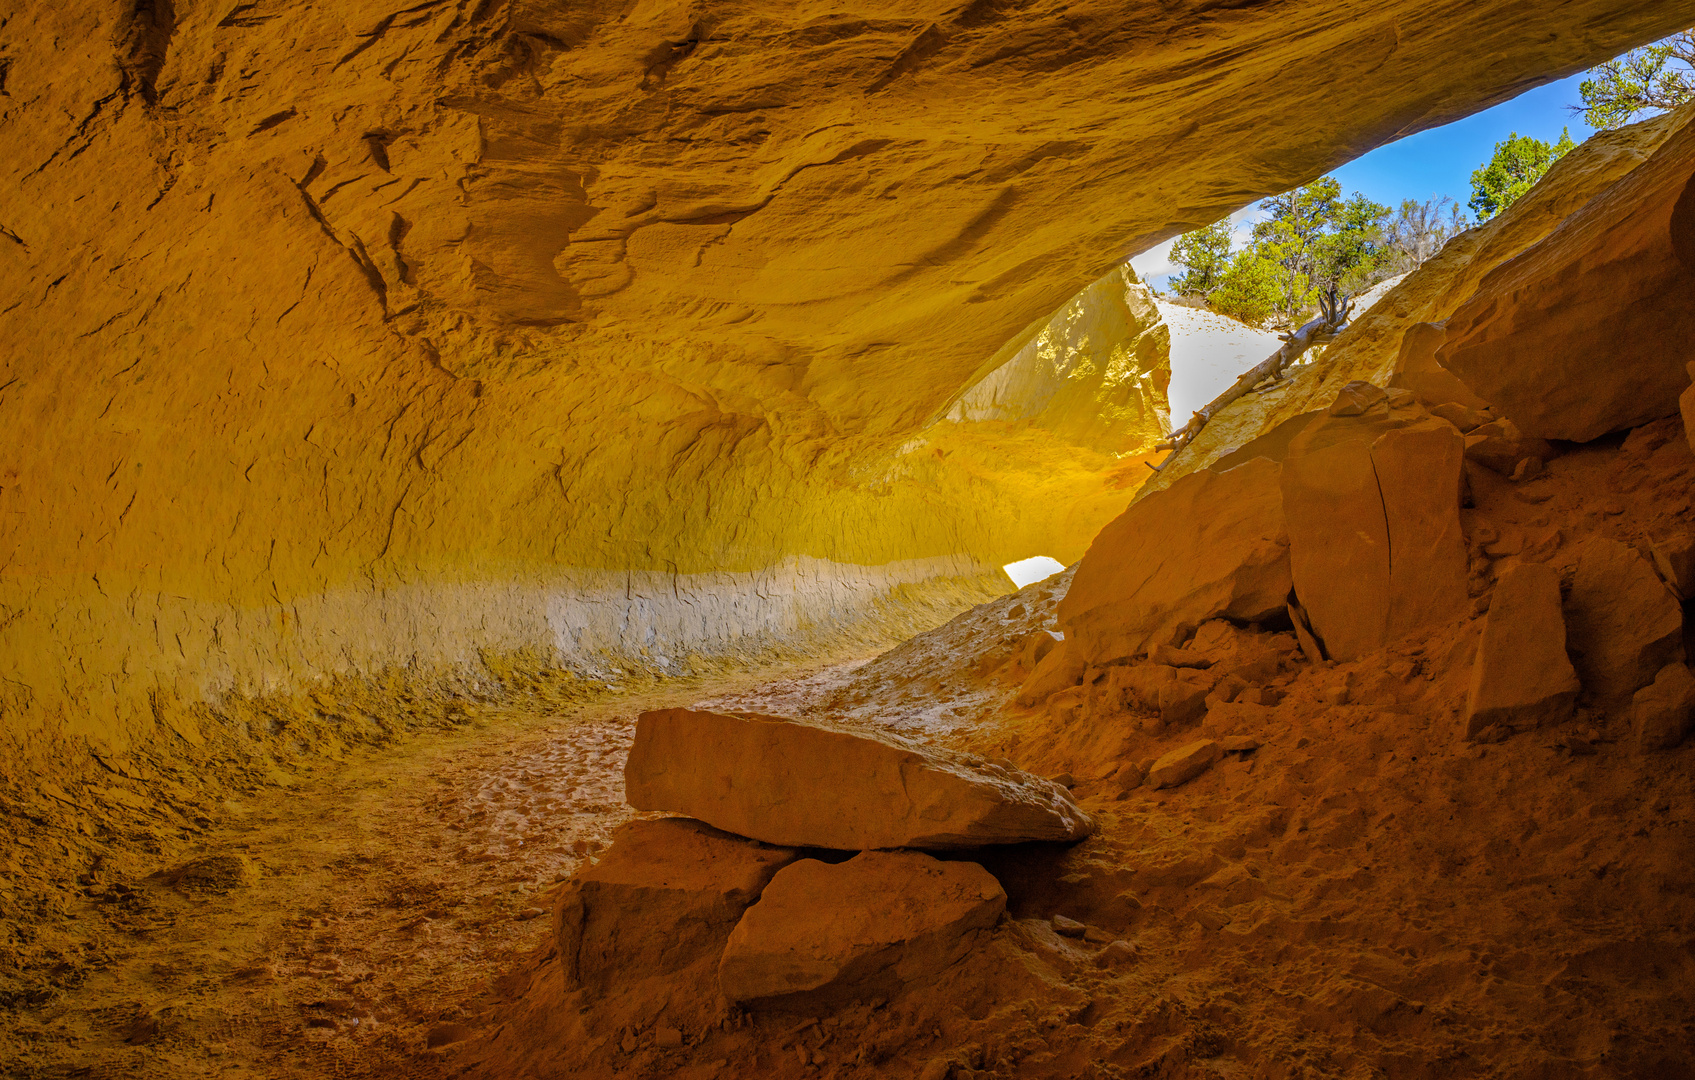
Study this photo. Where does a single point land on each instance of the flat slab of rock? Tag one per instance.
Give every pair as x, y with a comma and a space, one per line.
797, 784
1522, 677
1625, 624
1211, 545
823, 933
1184, 764
664, 895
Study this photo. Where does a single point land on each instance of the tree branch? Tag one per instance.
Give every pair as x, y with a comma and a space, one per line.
1332, 318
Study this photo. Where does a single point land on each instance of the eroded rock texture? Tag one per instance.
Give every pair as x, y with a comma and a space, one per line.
366, 336
1590, 331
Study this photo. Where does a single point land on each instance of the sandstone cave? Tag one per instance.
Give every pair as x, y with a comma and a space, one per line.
502, 516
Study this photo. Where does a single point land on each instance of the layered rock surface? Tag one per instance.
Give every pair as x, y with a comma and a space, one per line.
785, 782
470, 306
1590, 330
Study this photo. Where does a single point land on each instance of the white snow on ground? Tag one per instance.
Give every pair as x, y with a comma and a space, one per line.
1209, 351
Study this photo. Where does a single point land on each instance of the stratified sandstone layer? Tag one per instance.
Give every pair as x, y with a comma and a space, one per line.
329, 328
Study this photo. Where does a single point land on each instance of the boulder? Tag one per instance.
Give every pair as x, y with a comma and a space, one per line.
1210, 545
1375, 545
1686, 407
1501, 447
1624, 623
1184, 764
1416, 369
1463, 417
1522, 677
1662, 710
825, 933
1674, 558
664, 895
1182, 698
797, 784
1589, 331
1058, 668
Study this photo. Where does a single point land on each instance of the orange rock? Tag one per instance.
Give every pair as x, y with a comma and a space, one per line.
1213, 544
785, 782
1674, 558
1662, 710
1059, 668
1184, 764
1416, 369
1625, 624
1590, 330
1501, 447
1522, 677
664, 895
1376, 549
1464, 418
823, 933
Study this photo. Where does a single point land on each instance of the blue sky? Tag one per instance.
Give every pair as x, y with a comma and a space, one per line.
1434, 162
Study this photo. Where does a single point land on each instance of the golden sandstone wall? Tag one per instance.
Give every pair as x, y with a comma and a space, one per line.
344, 337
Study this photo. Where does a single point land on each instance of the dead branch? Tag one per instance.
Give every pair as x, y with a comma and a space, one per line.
1332, 318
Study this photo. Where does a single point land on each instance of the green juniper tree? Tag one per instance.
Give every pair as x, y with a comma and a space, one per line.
1650, 79
1519, 162
1206, 254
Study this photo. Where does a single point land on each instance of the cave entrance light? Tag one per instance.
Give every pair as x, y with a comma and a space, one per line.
1029, 571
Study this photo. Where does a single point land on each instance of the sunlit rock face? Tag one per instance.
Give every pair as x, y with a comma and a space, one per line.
338, 338
1396, 341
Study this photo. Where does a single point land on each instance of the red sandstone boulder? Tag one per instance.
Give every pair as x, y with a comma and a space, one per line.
1059, 668
1589, 331
1184, 764
1502, 448
1662, 710
1416, 370
824, 933
1522, 677
666, 894
1624, 623
1375, 545
796, 784
1211, 545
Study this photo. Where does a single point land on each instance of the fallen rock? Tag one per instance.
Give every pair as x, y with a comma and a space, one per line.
665, 894
1065, 927
1061, 667
1589, 330
1358, 398
1375, 545
1118, 953
823, 933
790, 783
1624, 623
1674, 558
1522, 677
1210, 545
1662, 710
1184, 764
1182, 699
1464, 418
211, 874
1416, 369
1500, 447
